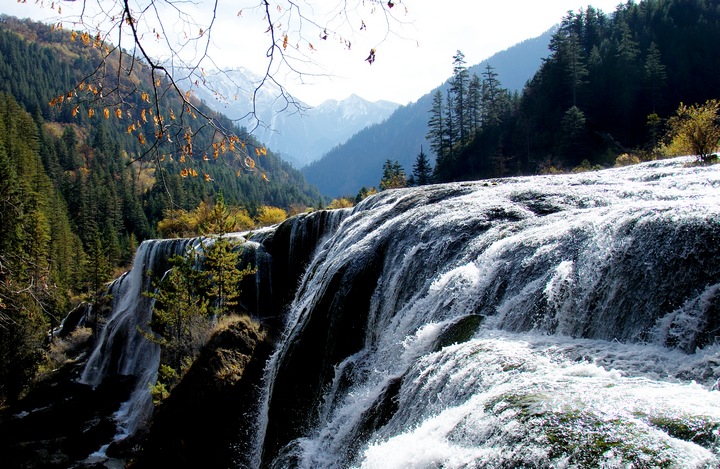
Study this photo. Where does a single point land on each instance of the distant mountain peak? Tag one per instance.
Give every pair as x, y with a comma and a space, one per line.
299, 137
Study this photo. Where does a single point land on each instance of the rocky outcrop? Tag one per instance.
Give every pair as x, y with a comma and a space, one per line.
209, 417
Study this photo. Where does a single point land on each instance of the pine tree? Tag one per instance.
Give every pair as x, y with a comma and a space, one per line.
474, 104
452, 135
459, 97
393, 176
436, 126
628, 73
655, 75
574, 64
223, 276
573, 143
218, 221
181, 310
422, 171
491, 101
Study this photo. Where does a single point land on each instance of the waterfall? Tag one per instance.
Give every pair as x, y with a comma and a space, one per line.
280, 255
552, 321
121, 348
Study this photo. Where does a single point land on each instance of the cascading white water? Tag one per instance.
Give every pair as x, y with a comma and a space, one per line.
121, 348
561, 321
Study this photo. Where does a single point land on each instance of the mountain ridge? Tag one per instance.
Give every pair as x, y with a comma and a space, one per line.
298, 132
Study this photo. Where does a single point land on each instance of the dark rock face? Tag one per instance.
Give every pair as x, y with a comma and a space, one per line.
334, 330
210, 415
281, 260
62, 422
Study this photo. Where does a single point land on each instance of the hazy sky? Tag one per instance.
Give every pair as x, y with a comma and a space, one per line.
410, 62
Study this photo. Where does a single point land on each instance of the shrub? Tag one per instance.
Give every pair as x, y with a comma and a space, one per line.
342, 202
695, 130
626, 159
270, 215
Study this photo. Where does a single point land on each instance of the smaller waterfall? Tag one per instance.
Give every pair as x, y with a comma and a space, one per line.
279, 254
121, 348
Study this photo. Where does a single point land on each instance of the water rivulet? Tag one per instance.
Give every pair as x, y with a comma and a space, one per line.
553, 321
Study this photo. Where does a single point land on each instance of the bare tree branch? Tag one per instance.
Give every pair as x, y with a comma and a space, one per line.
174, 41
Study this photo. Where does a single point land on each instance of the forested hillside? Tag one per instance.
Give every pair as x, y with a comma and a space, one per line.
359, 161
82, 186
608, 87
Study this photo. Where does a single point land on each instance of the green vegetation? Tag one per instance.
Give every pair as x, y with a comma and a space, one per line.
693, 428
201, 287
38, 251
422, 171
695, 130
79, 191
582, 436
605, 90
180, 223
393, 176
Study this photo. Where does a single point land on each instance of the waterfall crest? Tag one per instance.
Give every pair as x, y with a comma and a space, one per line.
543, 320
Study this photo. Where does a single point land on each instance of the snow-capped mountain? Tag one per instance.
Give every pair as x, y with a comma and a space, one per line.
300, 134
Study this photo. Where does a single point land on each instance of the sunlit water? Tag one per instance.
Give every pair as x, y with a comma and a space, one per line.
564, 321
554, 321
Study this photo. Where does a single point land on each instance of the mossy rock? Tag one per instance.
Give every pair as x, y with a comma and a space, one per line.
458, 331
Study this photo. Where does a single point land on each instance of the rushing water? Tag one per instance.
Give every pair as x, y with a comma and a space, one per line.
560, 321
121, 348
552, 321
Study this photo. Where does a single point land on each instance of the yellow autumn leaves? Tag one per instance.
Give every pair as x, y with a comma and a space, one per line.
166, 132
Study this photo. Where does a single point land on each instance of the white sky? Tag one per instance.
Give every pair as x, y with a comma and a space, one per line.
409, 63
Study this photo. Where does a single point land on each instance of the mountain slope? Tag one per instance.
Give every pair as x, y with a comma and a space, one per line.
358, 162
300, 137
112, 186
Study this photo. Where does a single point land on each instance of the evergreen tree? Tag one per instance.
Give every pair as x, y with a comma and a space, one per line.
222, 274
422, 171
575, 64
451, 132
181, 311
474, 106
218, 220
393, 176
459, 97
573, 143
436, 127
69, 157
628, 72
491, 101
655, 75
